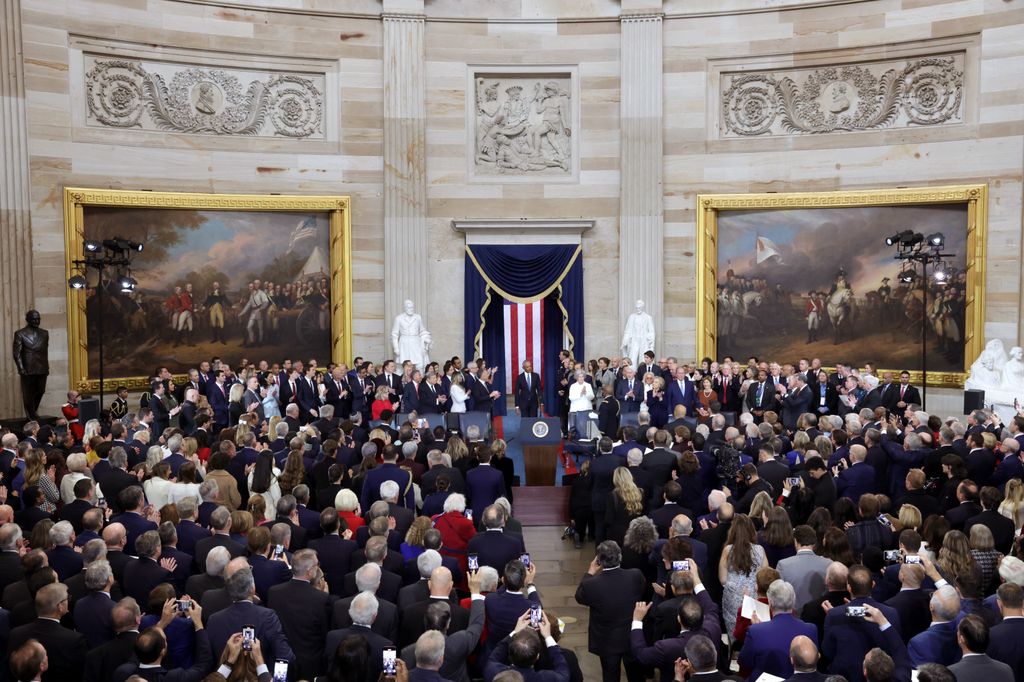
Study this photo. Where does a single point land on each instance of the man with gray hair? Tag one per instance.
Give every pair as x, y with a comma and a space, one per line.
455, 645
766, 647
367, 579
419, 590
142, 575
376, 551
494, 547
429, 656
362, 612
241, 588
304, 612
92, 612
115, 479
65, 648
175, 459
287, 514
209, 493
389, 492
189, 532
213, 578
92, 551
63, 558
938, 644
220, 523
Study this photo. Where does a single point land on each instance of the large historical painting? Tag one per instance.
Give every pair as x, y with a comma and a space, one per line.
256, 277
810, 275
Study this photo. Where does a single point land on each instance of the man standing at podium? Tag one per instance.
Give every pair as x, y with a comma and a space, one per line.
528, 391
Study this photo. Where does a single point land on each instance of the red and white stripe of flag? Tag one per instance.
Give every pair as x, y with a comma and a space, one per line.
524, 329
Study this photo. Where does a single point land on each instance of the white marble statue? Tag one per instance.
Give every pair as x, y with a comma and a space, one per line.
1001, 377
409, 338
638, 337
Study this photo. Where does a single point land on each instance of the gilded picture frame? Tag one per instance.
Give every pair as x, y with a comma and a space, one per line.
714, 209
337, 313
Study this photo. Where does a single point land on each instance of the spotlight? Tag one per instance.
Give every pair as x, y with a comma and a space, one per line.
937, 239
891, 241
940, 274
135, 246
92, 246
909, 238
907, 276
76, 282
127, 283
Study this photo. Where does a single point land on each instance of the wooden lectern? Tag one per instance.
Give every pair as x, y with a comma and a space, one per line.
541, 439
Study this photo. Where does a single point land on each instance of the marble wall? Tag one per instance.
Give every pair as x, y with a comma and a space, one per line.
639, 152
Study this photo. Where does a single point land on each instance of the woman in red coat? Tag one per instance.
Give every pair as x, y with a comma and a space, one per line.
347, 505
456, 529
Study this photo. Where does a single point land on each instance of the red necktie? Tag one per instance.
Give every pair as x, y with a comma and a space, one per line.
903, 389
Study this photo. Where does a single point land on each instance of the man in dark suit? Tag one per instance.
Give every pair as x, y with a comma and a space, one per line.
375, 552
428, 482
679, 390
911, 602
602, 468
307, 396
142, 575
663, 516
968, 508
63, 558
1010, 466
169, 550
803, 656
93, 611
767, 644
980, 461
976, 664
916, 495
72, 513
189, 532
611, 592
162, 412
220, 523
629, 392
187, 415
659, 463
388, 377
11, 542
484, 483
938, 643
151, 649
504, 606
796, 402
136, 517
848, 639
65, 648
441, 589
333, 550
103, 660
899, 397
1006, 637
521, 651
528, 392
367, 579
269, 568
339, 394
388, 471
1003, 529
304, 612
494, 547
241, 588
419, 590
362, 612
856, 479
760, 395
411, 393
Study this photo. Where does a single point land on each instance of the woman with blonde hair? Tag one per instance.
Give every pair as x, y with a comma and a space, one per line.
241, 524
347, 504
505, 465
1012, 506
412, 545
984, 553
625, 503
37, 474
823, 445
955, 557
457, 392
382, 402
235, 407
78, 468
801, 444
910, 517
759, 508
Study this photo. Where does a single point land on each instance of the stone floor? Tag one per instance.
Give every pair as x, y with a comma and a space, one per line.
559, 569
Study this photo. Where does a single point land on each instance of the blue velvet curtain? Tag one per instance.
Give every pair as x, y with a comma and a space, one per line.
523, 274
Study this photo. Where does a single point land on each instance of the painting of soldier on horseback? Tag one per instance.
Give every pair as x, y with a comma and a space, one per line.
821, 282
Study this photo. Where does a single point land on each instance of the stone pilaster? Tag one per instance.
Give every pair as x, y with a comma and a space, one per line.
405, 164
641, 225
16, 295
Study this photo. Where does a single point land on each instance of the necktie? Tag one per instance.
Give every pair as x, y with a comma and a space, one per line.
760, 393
292, 384
527, 382
903, 389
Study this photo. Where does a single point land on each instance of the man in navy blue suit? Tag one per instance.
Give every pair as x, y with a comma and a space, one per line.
133, 500
766, 647
1006, 637
411, 393
521, 651
93, 611
680, 391
142, 575
334, 551
388, 471
856, 479
243, 612
307, 396
1010, 466
63, 558
504, 606
494, 547
629, 392
796, 402
528, 392
938, 643
602, 468
848, 638
363, 612
217, 395
484, 484
189, 532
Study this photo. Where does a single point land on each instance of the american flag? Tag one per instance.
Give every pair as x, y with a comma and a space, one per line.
304, 231
524, 339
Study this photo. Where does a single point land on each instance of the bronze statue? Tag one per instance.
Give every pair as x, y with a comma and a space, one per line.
31, 351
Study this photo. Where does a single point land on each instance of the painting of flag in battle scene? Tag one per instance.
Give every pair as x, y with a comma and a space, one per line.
233, 284
821, 282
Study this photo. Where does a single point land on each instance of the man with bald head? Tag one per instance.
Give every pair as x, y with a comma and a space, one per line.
6, 514
765, 648
440, 586
102, 661
217, 599
856, 479
803, 656
116, 536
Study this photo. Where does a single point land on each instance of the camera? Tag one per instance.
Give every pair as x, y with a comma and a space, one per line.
473, 562
536, 615
681, 565
390, 666
856, 611
794, 481
183, 605
884, 520
912, 559
525, 558
892, 556
280, 671
469, 514
278, 551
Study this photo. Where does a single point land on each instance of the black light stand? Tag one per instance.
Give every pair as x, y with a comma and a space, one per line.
913, 248
113, 254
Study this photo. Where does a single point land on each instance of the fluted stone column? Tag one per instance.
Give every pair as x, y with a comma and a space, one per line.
16, 295
640, 189
405, 161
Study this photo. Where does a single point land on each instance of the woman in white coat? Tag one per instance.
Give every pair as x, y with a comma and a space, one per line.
458, 394
263, 481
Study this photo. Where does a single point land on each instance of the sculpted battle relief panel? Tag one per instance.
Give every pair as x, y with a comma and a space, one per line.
151, 95
894, 93
523, 124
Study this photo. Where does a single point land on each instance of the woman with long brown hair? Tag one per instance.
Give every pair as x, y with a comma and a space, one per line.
294, 472
737, 569
625, 503
777, 536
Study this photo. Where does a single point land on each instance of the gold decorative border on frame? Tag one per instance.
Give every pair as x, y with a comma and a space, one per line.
974, 196
77, 198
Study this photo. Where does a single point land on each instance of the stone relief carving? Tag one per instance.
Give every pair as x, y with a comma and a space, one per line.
125, 93
832, 99
523, 125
